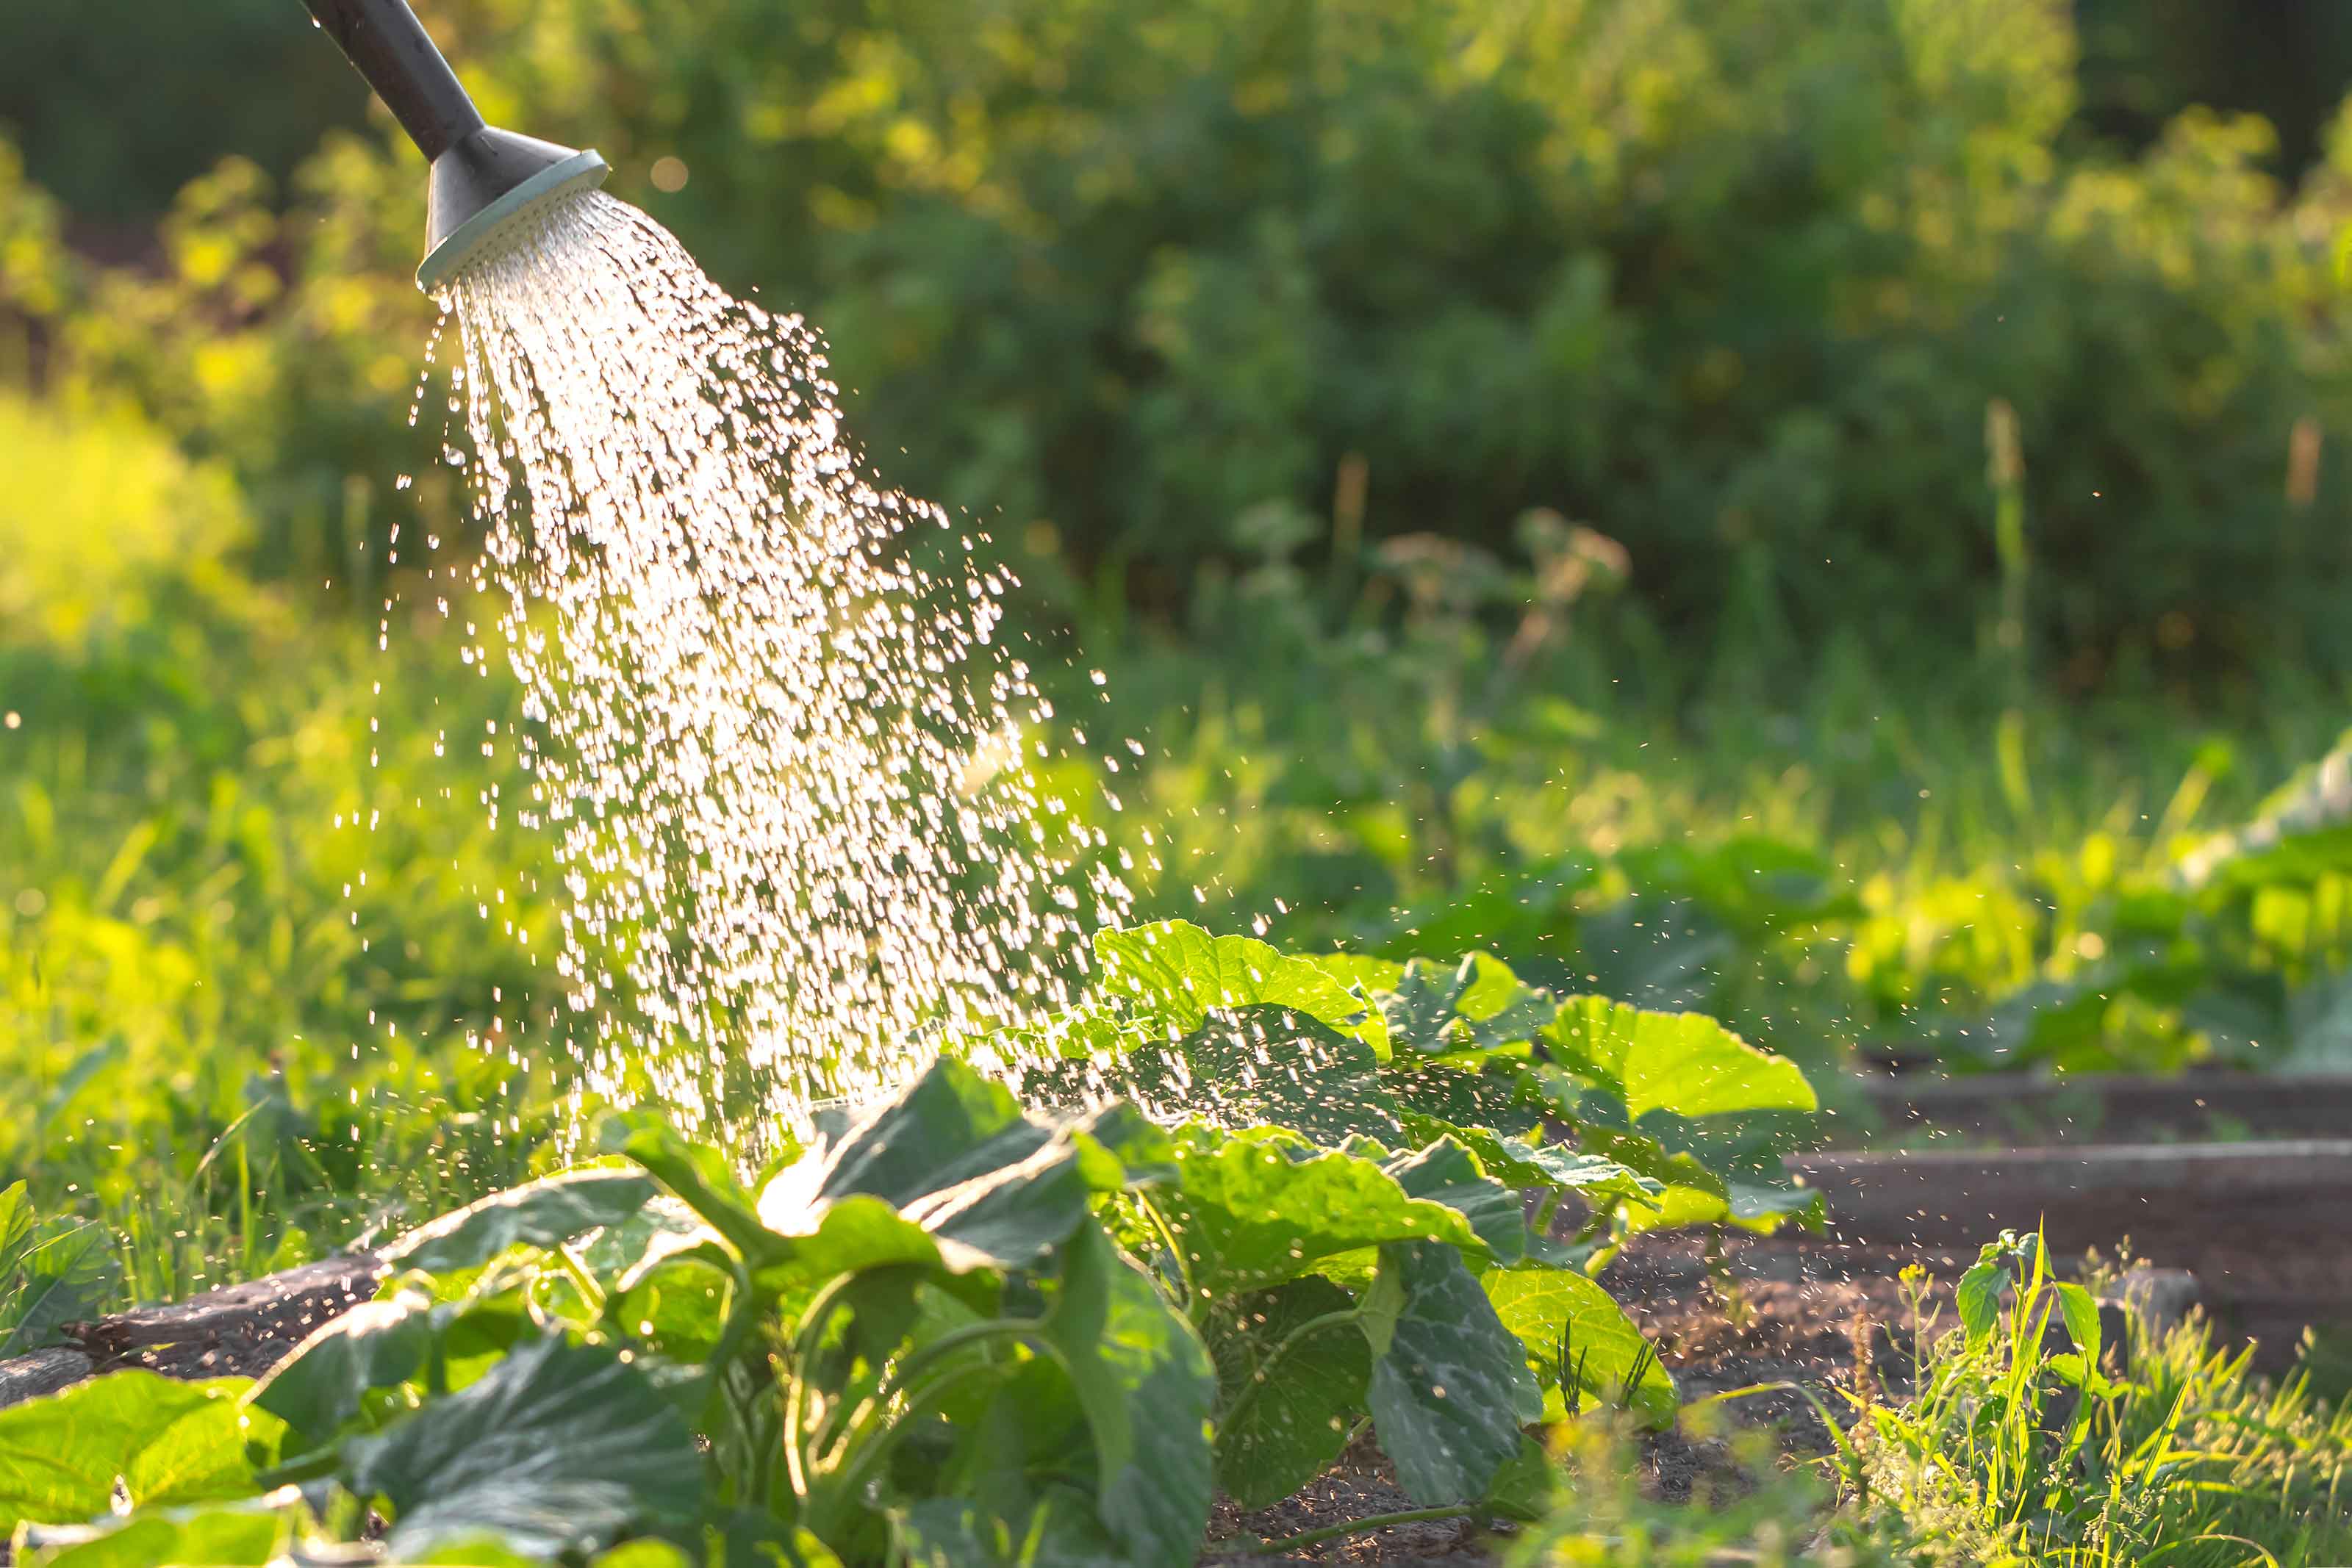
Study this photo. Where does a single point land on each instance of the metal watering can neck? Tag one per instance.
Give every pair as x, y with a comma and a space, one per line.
391, 49
484, 180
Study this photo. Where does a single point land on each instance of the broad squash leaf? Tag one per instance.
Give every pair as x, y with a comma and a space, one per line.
1480, 1004
559, 1449
1284, 1420
1175, 973
1256, 1208
953, 1159
698, 1174
222, 1536
1685, 1063
1573, 1332
324, 1384
165, 1442
1146, 1386
1446, 1171
544, 1212
1451, 1387
1253, 1066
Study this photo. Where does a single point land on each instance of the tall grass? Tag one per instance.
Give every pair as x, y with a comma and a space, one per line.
2030, 1440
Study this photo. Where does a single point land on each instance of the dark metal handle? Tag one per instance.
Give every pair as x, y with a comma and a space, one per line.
392, 51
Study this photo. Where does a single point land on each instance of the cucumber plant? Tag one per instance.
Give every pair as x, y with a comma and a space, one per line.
1253, 1205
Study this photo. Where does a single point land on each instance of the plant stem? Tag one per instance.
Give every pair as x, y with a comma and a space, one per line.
1355, 1526
797, 1378
581, 1280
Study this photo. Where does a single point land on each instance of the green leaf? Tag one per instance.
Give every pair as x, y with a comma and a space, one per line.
558, 1449
249, 1536
698, 1174
1480, 1005
324, 1384
957, 1165
1448, 1392
1358, 971
1252, 1209
167, 1442
1446, 1171
1570, 1329
64, 1276
1685, 1063
1602, 1182
1978, 1298
2082, 1314
1253, 1066
1175, 972
1147, 1385
1527, 1486
1285, 1418
545, 1213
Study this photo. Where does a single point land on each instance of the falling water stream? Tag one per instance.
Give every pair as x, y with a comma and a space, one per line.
787, 754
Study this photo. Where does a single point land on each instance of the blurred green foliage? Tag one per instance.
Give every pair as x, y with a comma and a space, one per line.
1293, 340
1734, 280
254, 988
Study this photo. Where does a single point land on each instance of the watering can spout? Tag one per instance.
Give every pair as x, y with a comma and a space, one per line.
485, 181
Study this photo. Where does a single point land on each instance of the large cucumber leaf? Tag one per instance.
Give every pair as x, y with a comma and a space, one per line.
250, 1534
545, 1213
1292, 1368
952, 1164
1255, 1209
559, 1448
1685, 1063
324, 1384
1175, 973
1446, 1171
1574, 1333
1480, 1004
1259, 1065
1146, 1385
61, 1455
1450, 1386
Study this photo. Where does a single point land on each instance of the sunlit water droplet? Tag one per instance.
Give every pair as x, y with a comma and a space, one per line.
777, 738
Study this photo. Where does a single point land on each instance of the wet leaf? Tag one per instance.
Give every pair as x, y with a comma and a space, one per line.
1146, 1385
544, 1212
1685, 1063
166, 1442
1252, 1209
1568, 1324
1175, 972
1450, 1389
559, 1449
1286, 1418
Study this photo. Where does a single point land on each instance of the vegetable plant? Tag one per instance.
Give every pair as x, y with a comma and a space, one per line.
1255, 1203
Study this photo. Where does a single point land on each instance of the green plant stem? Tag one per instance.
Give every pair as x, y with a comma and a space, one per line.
875, 1448
1355, 1526
797, 1383
590, 1291
1175, 1253
903, 1378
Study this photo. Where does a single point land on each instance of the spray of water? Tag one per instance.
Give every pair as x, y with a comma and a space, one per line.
790, 766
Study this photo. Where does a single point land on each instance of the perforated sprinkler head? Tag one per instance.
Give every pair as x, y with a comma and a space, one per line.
486, 182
